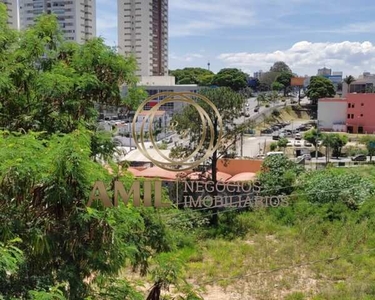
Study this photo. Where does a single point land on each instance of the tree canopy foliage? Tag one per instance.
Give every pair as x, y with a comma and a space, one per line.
280, 67
198, 76
231, 77
320, 87
284, 81
51, 85
52, 246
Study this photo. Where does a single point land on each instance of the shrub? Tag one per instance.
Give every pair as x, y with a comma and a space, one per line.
330, 186
273, 146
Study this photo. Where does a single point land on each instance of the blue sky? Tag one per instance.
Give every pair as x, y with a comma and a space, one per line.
251, 35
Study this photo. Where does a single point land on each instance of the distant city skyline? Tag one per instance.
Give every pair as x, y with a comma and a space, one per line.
252, 35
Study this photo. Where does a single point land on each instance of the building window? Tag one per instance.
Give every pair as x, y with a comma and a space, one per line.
361, 115
348, 116
362, 104
352, 116
348, 105
353, 105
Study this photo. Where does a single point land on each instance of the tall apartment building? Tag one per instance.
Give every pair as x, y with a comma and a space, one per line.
77, 18
143, 31
12, 12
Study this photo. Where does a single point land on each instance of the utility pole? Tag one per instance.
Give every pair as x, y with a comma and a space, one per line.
316, 142
241, 144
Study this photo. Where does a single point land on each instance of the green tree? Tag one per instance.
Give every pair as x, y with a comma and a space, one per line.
277, 86
285, 80
267, 79
320, 87
51, 85
206, 80
49, 93
280, 67
233, 78
349, 80
278, 174
282, 143
230, 106
369, 141
335, 142
313, 136
198, 76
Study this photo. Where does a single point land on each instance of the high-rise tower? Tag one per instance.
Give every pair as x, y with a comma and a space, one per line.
143, 31
77, 18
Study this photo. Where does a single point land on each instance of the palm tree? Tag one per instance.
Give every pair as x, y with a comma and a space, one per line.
348, 80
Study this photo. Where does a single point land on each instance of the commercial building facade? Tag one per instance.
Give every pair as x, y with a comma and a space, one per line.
77, 18
143, 32
12, 10
159, 84
353, 114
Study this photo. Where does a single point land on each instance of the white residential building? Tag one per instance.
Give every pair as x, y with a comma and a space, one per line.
332, 114
143, 32
12, 12
77, 18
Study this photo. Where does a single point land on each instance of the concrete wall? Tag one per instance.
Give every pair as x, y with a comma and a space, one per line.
331, 112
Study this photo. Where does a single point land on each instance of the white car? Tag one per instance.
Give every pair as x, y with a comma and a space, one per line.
297, 143
307, 144
290, 144
305, 156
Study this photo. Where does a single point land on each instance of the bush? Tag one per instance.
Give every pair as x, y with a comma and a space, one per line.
330, 186
273, 146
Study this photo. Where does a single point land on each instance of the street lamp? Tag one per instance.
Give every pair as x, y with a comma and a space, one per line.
317, 144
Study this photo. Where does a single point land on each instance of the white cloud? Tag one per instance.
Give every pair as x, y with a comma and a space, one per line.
196, 17
187, 57
305, 58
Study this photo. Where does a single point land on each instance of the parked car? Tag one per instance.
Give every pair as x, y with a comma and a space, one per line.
274, 153
307, 144
297, 143
359, 157
305, 156
290, 144
168, 141
276, 137
256, 109
298, 136
266, 131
